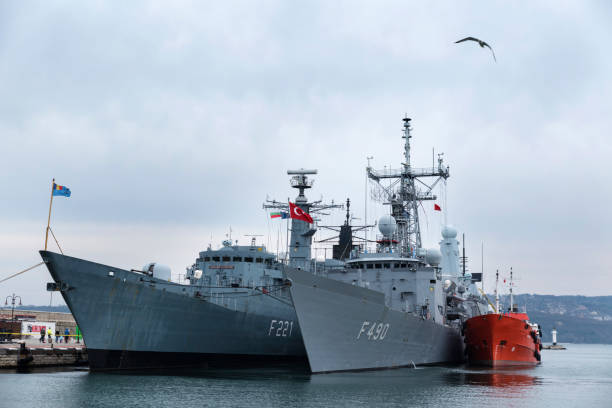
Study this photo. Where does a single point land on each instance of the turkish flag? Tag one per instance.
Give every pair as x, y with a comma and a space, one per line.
437, 207
299, 214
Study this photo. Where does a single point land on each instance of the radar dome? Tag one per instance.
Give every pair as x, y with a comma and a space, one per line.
449, 232
433, 257
387, 225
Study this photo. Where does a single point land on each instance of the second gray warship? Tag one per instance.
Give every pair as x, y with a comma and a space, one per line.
401, 305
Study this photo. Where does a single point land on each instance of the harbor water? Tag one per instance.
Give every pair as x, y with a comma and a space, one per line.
580, 376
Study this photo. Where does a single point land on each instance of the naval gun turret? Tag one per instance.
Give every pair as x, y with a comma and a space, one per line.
299, 245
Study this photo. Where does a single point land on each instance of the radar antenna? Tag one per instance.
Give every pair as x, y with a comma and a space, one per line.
299, 246
404, 195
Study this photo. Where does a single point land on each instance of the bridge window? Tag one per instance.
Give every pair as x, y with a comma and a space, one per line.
226, 259
237, 259
396, 265
370, 266
207, 259
378, 266
215, 259
386, 266
259, 260
247, 259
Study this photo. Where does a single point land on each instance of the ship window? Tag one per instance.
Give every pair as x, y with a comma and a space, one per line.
387, 266
226, 259
378, 266
259, 260
215, 258
396, 265
248, 259
403, 265
370, 266
207, 259
432, 281
237, 259
268, 261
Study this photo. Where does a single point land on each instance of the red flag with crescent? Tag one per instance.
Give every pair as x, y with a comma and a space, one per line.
298, 214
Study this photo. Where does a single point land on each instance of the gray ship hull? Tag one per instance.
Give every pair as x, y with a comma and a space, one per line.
131, 321
346, 327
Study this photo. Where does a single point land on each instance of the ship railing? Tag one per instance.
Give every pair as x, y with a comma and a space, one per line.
440, 171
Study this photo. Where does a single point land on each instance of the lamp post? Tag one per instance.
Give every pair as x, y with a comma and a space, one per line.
13, 298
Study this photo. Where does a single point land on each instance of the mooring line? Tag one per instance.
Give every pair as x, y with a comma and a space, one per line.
19, 273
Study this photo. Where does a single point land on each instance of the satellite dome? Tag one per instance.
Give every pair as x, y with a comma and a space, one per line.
387, 225
449, 232
433, 257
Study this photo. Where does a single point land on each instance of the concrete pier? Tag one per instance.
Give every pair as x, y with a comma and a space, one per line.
25, 355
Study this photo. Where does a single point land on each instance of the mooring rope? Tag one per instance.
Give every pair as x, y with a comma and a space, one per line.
19, 273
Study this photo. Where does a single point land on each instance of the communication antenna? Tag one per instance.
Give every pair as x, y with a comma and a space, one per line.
253, 238
404, 195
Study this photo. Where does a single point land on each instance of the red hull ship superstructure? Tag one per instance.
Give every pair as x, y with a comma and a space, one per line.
502, 339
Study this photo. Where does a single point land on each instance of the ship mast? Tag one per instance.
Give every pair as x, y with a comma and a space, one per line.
299, 246
404, 196
511, 295
496, 295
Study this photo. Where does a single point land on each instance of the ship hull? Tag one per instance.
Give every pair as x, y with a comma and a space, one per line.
131, 321
496, 340
349, 328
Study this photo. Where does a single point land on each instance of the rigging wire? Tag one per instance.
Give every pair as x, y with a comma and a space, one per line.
58, 245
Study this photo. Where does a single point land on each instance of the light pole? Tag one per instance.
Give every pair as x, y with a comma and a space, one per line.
13, 298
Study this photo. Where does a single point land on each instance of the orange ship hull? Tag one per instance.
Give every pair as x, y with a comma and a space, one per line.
496, 340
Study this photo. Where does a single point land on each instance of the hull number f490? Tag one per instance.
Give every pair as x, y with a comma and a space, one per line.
280, 328
373, 330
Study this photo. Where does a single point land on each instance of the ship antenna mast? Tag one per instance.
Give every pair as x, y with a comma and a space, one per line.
403, 195
496, 295
511, 296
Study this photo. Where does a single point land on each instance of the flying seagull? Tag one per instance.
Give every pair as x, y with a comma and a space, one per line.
480, 42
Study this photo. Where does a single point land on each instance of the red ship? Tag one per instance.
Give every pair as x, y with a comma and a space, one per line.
502, 339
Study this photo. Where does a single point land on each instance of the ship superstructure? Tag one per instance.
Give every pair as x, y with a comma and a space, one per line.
300, 243
398, 306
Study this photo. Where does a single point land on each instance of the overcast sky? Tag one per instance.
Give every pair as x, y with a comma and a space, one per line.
172, 121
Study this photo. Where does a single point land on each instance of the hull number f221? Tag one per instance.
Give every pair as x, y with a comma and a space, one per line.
280, 328
373, 330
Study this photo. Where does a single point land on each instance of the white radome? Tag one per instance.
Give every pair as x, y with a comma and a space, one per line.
449, 232
387, 225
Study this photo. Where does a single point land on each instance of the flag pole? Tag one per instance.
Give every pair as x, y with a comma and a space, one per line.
49, 218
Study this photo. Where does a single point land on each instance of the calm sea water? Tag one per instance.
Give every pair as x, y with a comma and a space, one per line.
578, 377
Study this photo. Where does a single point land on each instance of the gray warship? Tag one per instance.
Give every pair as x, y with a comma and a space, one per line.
234, 310
402, 305
242, 305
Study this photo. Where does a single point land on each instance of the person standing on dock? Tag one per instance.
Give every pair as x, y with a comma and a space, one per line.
66, 335
50, 335
57, 336
42, 334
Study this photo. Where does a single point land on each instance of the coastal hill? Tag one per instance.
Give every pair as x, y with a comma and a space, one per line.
578, 319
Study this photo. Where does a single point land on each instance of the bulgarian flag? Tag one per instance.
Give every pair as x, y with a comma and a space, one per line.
279, 214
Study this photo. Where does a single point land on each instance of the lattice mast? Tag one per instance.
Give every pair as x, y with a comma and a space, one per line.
404, 196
